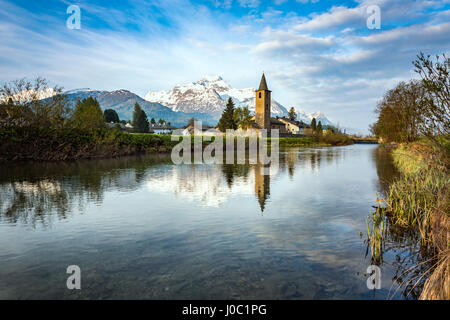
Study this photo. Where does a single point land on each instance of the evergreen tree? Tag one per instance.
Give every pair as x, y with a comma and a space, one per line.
313, 124
227, 120
319, 128
153, 121
110, 115
292, 114
243, 118
88, 114
140, 121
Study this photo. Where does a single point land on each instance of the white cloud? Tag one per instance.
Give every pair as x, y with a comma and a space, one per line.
336, 17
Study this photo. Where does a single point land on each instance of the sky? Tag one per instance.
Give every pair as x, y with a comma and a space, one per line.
318, 55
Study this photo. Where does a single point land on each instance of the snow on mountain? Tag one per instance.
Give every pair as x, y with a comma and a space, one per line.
205, 100
28, 95
307, 117
123, 101
208, 95
86, 91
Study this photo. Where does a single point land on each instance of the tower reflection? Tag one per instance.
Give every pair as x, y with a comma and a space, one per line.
262, 185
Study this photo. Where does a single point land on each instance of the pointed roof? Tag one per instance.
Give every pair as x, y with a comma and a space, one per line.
263, 83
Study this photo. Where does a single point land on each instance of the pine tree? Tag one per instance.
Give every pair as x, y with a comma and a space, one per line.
140, 121
227, 120
88, 114
111, 115
313, 124
292, 114
319, 128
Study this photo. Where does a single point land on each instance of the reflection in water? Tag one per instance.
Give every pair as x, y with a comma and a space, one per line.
47, 189
55, 188
262, 185
386, 171
141, 227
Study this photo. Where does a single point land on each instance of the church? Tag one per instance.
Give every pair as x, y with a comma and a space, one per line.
262, 117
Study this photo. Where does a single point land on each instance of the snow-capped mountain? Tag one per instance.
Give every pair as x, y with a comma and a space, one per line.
208, 95
319, 116
28, 95
204, 100
123, 101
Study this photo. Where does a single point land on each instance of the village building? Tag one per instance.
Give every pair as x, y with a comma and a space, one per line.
123, 127
161, 128
293, 126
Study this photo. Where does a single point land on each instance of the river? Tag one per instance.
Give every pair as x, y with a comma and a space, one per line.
143, 228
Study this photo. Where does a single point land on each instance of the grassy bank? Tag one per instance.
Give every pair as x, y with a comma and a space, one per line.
419, 199
47, 144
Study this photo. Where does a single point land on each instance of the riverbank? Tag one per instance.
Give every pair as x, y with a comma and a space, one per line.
419, 199
47, 144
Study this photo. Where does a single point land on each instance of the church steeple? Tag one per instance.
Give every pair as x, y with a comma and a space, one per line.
262, 105
263, 83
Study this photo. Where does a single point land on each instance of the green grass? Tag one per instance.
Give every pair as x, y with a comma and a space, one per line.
421, 188
419, 200
297, 142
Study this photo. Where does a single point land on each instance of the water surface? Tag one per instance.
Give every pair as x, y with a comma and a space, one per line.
143, 228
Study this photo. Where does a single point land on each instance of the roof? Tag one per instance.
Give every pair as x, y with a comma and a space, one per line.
158, 126
297, 123
263, 84
275, 121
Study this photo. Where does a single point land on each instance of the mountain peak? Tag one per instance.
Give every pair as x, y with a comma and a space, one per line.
208, 95
210, 79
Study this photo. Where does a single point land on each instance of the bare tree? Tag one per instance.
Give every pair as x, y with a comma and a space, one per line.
32, 103
400, 112
436, 81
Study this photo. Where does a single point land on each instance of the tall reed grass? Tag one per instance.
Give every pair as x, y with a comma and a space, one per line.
419, 200
376, 233
414, 196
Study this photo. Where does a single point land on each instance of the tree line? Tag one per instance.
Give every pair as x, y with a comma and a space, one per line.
419, 107
22, 105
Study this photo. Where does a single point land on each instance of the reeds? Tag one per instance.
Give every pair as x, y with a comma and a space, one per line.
376, 233
419, 200
414, 196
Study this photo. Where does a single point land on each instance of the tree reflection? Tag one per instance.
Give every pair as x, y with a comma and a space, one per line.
45, 190
386, 170
231, 171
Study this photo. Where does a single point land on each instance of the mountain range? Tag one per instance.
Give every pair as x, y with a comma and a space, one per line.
209, 95
204, 100
123, 101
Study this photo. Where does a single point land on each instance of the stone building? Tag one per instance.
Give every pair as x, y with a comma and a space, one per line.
263, 103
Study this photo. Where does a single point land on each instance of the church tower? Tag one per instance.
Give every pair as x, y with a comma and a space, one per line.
262, 105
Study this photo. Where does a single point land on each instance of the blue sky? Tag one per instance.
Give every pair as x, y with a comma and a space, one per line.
317, 54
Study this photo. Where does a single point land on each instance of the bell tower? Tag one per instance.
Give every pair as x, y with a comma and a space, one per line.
262, 105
